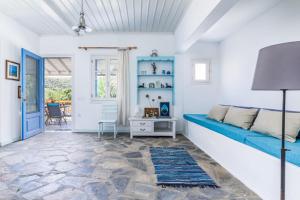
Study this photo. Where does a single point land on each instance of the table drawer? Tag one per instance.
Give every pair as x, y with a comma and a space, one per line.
145, 129
141, 123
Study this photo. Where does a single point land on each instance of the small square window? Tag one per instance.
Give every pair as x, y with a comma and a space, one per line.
201, 71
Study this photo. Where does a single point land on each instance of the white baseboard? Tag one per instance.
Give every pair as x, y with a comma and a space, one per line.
120, 130
9, 141
257, 170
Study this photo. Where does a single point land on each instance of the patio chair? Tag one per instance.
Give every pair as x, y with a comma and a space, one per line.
54, 112
108, 117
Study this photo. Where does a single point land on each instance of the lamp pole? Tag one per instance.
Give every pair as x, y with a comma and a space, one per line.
277, 69
283, 149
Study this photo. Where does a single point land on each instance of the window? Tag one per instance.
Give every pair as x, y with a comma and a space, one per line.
105, 76
201, 71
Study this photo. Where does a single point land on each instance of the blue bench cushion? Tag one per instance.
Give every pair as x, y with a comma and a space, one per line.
262, 142
230, 131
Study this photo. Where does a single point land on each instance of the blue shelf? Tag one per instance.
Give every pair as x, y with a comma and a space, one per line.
146, 61
154, 75
156, 59
168, 89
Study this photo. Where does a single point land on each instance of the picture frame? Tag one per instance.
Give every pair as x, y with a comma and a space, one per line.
151, 112
12, 70
164, 109
19, 92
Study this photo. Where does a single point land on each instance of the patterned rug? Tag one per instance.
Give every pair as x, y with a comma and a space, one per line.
176, 167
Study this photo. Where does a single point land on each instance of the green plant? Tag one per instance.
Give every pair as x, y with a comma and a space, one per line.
58, 88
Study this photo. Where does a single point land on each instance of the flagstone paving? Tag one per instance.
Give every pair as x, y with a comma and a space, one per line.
77, 166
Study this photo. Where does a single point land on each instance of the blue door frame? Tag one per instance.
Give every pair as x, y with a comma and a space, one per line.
32, 122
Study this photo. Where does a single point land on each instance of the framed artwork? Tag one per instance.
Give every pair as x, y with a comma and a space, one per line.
151, 112
12, 71
19, 92
164, 109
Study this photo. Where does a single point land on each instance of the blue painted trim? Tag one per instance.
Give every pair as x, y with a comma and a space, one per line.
173, 82
154, 75
25, 53
158, 58
169, 59
167, 89
23, 90
137, 83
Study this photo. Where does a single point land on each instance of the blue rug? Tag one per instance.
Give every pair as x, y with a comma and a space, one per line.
176, 167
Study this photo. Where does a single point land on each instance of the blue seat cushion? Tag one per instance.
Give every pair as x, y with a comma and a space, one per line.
272, 146
262, 142
53, 104
230, 131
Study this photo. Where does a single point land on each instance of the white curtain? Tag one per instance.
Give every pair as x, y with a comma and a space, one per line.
123, 95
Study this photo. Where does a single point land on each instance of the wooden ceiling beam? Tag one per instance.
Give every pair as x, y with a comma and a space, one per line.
52, 65
61, 61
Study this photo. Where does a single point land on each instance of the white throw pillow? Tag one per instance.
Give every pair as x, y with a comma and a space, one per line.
218, 112
269, 122
241, 117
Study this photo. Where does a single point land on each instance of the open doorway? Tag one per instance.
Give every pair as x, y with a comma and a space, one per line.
58, 94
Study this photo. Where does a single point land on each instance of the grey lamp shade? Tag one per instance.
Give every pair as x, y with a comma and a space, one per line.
278, 67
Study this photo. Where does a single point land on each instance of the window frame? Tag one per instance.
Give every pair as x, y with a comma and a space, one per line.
107, 58
207, 62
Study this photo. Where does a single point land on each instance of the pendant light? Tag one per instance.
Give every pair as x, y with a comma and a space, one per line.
82, 28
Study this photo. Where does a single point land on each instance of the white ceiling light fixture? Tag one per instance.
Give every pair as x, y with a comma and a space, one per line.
82, 28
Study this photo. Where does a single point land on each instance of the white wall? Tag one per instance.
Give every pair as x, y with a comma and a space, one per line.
239, 55
86, 112
13, 37
199, 98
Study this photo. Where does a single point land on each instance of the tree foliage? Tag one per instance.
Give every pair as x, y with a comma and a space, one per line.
58, 88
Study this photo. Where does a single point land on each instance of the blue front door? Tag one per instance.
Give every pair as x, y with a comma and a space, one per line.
32, 75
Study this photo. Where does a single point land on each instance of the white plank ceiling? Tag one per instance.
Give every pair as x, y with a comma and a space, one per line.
46, 17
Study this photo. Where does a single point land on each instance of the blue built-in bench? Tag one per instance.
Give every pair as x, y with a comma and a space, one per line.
267, 144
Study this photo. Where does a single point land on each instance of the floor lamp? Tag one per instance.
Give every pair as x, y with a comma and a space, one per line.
278, 68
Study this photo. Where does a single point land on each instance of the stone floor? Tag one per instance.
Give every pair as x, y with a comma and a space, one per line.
55, 126
77, 166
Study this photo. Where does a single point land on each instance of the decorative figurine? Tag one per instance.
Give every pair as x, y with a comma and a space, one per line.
142, 85
154, 53
163, 72
162, 85
151, 85
157, 84
168, 72
153, 68
168, 86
